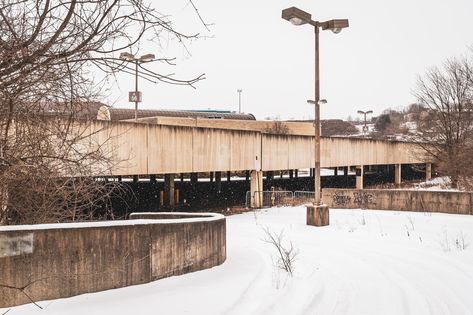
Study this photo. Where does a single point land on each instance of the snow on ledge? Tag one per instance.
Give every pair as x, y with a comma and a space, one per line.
194, 217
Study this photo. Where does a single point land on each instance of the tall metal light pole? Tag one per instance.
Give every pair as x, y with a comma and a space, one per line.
365, 127
239, 99
136, 96
298, 17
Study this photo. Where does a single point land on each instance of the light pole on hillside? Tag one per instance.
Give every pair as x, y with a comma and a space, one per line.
365, 126
239, 100
299, 17
136, 96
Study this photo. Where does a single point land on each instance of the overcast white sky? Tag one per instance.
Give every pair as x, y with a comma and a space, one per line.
371, 65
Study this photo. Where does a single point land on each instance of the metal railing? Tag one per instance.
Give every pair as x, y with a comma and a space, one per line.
272, 198
303, 197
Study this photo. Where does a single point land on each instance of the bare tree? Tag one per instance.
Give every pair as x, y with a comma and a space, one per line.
446, 132
50, 51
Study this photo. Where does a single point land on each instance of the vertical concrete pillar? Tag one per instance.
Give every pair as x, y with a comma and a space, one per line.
229, 176
397, 174
152, 179
169, 190
335, 171
256, 189
428, 171
359, 177
194, 178
218, 181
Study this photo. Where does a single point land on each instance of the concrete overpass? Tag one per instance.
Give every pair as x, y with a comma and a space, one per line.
148, 149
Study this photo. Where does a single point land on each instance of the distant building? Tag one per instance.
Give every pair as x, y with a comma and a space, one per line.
115, 114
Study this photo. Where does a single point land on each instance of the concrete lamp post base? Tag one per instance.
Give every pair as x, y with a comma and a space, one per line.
318, 215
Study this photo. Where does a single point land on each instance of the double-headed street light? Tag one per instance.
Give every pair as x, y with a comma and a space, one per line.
136, 96
365, 126
298, 17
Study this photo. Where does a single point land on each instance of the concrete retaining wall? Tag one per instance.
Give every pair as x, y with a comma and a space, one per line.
52, 261
404, 200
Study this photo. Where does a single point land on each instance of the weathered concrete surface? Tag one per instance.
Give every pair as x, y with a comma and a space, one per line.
404, 200
318, 215
62, 260
143, 149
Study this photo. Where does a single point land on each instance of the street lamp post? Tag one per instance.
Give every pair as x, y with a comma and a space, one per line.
136, 96
365, 127
298, 17
239, 100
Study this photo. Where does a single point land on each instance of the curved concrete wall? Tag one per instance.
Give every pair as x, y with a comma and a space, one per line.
50, 261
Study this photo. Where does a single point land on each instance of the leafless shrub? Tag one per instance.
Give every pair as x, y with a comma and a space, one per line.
277, 128
286, 253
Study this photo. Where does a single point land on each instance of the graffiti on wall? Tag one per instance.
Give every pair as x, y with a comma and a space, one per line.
340, 199
363, 198
355, 198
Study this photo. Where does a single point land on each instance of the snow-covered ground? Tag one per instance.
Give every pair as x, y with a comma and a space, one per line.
365, 262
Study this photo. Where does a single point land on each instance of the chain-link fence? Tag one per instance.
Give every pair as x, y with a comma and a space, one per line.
271, 198
303, 197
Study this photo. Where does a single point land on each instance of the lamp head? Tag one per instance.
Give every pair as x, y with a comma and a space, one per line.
335, 26
127, 56
296, 16
147, 58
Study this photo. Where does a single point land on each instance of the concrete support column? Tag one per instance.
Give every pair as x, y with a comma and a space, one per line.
169, 190
194, 178
397, 174
256, 189
152, 179
359, 177
428, 171
218, 181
